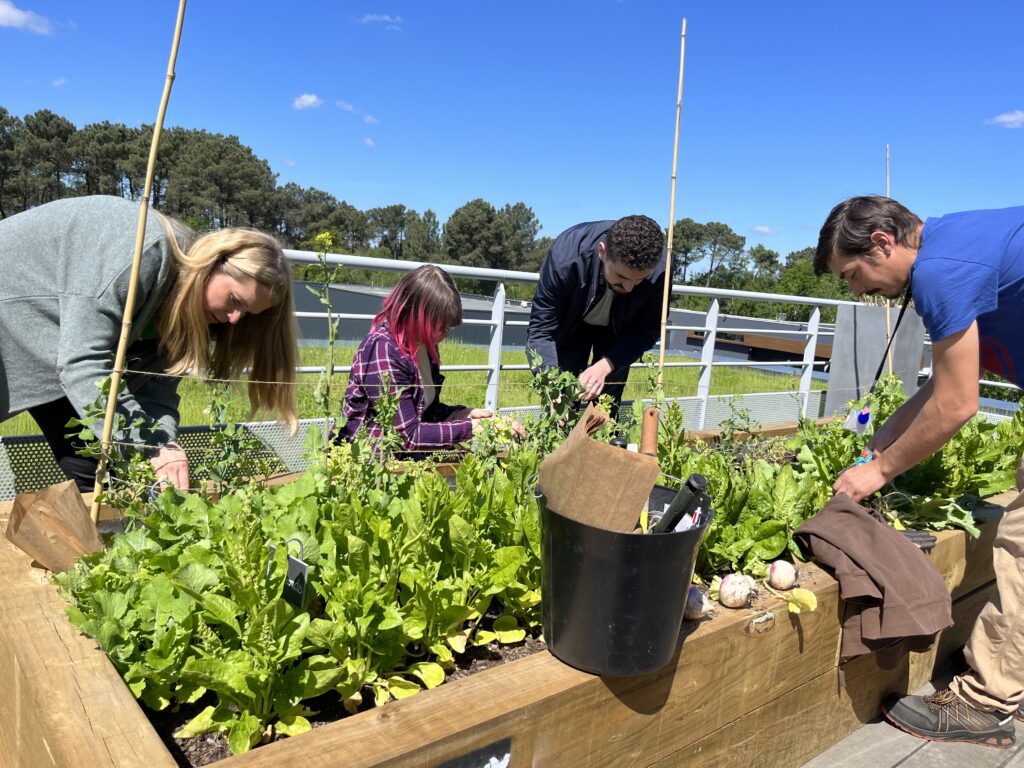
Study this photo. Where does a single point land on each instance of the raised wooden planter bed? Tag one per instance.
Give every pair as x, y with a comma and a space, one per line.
751, 684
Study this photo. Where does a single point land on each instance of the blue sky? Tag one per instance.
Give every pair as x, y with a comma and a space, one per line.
568, 107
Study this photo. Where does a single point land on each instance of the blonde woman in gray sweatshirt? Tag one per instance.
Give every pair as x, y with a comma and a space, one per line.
210, 306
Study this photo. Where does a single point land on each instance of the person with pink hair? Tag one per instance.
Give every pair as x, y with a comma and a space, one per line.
403, 347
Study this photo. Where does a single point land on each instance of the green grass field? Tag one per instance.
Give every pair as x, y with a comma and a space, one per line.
462, 387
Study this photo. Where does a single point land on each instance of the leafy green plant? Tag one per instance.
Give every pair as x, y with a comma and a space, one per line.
323, 243
235, 456
405, 571
761, 497
129, 474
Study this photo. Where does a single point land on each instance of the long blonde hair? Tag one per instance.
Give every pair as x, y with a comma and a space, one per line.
266, 343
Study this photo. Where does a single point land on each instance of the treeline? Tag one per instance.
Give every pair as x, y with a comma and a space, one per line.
209, 180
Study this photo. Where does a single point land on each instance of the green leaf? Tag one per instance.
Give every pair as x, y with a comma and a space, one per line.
458, 641
222, 610
400, 688
210, 720
392, 618
462, 536
507, 630
112, 605
483, 637
292, 725
432, 675
230, 677
244, 733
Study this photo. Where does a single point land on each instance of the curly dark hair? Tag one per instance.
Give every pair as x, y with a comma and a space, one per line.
636, 241
847, 230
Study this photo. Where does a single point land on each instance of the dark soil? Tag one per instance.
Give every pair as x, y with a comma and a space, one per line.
211, 747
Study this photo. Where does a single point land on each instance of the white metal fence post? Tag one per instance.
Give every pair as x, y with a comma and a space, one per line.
810, 347
494, 349
707, 357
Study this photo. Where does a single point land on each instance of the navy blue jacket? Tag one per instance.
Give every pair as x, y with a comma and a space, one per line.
569, 280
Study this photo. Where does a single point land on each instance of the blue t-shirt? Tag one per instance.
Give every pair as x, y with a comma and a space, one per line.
971, 267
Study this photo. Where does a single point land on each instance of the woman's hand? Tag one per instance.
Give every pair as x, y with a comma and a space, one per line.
517, 430
481, 413
171, 466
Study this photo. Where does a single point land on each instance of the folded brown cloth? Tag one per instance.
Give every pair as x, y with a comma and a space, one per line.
895, 600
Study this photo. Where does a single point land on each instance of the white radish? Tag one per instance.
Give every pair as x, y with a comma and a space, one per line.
782, 575
697, 605
736, 590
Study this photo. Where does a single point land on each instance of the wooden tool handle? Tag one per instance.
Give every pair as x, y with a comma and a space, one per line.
649, 431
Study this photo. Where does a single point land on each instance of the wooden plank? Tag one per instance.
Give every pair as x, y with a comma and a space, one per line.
777, 429
807, 720
63, 702
758, 341
776, 344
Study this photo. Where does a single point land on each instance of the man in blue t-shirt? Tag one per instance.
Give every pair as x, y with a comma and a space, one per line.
966, 276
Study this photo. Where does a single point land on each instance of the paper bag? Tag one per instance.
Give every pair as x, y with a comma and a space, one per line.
53, 526
596, 483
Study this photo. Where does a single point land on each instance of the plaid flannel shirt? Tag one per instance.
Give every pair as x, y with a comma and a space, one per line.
421, 428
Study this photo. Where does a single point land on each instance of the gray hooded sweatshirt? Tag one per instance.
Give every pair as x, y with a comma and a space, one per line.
64, 273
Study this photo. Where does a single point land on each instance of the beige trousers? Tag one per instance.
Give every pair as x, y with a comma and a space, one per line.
995, 649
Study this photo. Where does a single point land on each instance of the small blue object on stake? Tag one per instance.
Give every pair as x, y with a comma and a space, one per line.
858, 420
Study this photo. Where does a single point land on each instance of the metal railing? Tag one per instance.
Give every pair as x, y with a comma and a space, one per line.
497, 322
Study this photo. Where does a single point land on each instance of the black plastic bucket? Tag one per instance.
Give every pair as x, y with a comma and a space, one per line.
612, 603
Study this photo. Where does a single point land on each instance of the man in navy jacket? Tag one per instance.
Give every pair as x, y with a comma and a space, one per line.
598, 302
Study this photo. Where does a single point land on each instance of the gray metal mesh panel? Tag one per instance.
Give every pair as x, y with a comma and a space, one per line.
30, 463
27, 463
277, 438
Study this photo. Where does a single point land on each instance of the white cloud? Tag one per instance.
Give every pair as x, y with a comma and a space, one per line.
288, 161
393, 22
59, 82
369, 142
760, 229
307, 101
367, 118
12, 16
1013, 119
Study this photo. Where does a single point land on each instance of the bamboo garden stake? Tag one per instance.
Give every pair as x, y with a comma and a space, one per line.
888, 304
140, 233
671, 214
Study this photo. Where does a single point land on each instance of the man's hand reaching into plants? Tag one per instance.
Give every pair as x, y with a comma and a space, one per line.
861, 481
592, 380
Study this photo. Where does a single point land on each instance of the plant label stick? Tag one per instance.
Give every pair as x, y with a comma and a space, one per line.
295, 580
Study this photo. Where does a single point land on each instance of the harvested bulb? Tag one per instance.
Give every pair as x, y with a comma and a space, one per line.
736, 590
697, 605
782, 575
